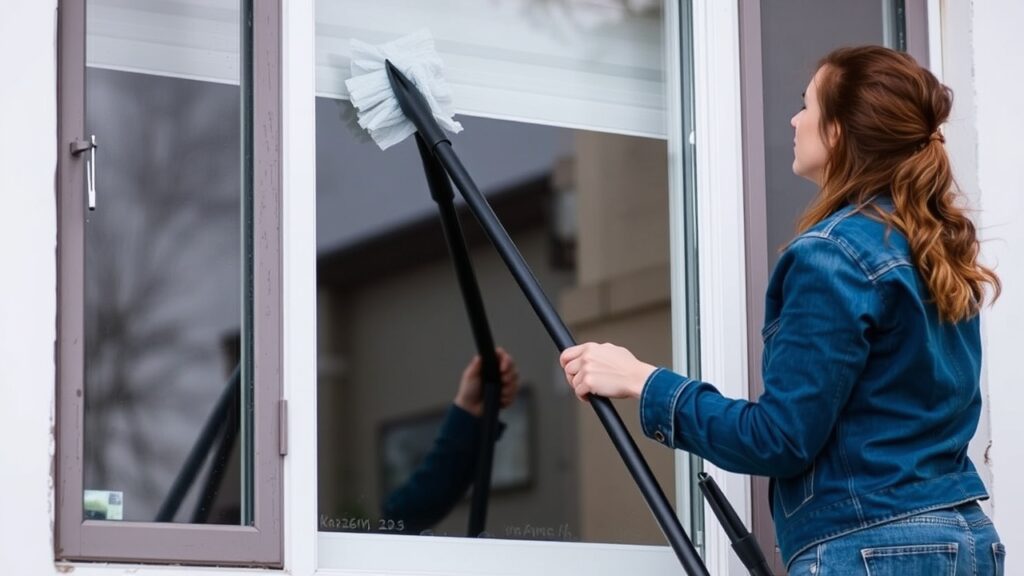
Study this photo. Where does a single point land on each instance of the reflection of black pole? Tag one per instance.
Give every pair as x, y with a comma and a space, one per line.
219, 464
490, 373
418, 111
196, 456
743, 542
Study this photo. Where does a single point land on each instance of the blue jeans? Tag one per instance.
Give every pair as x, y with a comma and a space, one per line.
959, 541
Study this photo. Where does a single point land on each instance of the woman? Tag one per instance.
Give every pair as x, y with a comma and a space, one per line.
871, 344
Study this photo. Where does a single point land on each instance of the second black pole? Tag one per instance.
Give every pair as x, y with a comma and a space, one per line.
490, 371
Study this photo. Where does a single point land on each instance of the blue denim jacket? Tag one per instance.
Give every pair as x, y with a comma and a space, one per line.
870, 400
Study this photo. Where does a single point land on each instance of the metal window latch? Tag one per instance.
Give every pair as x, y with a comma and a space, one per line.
79, 146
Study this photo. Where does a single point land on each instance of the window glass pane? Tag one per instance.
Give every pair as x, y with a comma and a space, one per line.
589, 211
894, 24
167, 287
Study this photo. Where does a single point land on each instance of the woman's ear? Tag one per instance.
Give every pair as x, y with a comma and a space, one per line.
833, 132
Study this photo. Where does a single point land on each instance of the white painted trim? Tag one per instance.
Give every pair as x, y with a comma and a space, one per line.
406, 555
723, 303
299, 291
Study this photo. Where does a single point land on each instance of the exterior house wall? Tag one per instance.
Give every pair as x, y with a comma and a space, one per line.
28, 240
997, 45
28, 114
956, 69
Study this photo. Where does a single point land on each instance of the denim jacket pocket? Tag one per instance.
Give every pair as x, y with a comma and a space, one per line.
767, 332
917, 560
770, 329
794, 493
999, 557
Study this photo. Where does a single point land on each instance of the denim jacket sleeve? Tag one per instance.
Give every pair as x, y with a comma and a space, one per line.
819, 346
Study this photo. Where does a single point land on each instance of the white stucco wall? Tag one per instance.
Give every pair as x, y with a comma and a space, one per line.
998, 85
28, 234
954, 62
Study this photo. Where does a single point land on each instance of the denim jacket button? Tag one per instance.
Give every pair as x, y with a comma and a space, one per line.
659, 436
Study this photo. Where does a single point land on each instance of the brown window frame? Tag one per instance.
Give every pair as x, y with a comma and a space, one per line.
260, 544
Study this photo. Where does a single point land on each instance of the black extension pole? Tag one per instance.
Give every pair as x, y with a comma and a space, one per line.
743, 542
196, 456
418, 111
490, 372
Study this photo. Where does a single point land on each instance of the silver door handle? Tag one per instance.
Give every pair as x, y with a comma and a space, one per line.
77, 147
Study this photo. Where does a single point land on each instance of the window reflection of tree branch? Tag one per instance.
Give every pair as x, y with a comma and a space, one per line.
171, 196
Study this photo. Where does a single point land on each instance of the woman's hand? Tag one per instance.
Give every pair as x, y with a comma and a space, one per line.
604, 369
470, 395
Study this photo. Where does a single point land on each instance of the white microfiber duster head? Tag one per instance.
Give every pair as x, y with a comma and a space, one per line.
376, 107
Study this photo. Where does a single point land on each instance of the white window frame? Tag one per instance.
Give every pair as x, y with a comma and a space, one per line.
720, 195
721, 241
341, 553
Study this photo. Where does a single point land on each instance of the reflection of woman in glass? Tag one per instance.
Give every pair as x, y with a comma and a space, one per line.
872, 348
440, 481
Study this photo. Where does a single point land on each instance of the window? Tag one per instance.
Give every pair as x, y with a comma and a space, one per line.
567, 123
169, 330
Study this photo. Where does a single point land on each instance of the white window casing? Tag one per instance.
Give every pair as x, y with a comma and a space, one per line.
723, 303
298, 222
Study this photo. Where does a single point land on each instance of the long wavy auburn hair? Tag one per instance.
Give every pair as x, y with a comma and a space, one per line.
883, 112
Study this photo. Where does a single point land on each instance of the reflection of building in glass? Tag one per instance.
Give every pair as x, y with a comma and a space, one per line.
394, 338
392, 319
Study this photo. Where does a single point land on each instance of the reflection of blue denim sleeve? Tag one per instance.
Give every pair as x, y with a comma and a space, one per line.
818, 349
440, 481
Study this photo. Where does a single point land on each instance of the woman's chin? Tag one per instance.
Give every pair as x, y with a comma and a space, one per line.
811, 176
